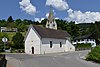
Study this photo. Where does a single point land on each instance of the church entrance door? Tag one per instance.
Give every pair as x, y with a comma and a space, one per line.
32, 50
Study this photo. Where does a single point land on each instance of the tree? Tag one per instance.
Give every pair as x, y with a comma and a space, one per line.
18, 41
94, 29
21, 27
10, 19
43, 22
18, 21
3, 23
10, 22
25, 21
74, 30
61, 24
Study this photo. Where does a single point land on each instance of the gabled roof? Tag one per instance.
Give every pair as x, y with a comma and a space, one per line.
49, 33
90, 36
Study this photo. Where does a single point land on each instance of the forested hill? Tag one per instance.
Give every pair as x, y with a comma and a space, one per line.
16, 39
90, 28
73, 29
84, 25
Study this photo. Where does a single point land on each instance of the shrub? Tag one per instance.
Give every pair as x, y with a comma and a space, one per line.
1, 48
18, 40
17, 51
94, 55
81, 46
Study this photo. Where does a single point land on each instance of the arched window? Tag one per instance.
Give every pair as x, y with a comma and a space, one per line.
60, 44
51, 44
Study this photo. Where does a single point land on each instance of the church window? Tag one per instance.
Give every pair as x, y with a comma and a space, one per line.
60, 44
51, 44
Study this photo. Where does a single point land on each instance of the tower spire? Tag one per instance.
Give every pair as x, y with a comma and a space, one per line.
51, 23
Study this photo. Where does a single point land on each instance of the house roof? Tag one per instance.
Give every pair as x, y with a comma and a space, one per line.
49, 33
90, 36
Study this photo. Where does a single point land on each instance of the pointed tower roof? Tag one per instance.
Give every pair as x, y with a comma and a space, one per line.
51, 15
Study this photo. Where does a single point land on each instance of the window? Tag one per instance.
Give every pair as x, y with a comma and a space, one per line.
91, 40
48, 25
74, 40
78, 40
87, 39
92, 43
53, 25
82, 39
51, 44
60, 44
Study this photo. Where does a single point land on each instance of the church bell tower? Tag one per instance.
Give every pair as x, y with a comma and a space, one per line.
51, 23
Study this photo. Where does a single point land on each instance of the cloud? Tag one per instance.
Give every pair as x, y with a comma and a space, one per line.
58, 4
39, 19
56, 17
80, 17
47, 14
26, 6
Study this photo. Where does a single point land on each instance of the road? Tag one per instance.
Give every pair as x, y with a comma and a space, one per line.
67, 59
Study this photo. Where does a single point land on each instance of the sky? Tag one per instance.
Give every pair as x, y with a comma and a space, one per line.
80, 11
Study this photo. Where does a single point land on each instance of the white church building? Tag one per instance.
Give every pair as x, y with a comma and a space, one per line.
40, 40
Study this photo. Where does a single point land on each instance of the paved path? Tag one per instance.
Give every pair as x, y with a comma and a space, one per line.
12, 62
68, 59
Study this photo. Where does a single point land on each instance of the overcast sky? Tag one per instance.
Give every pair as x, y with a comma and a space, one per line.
81, 11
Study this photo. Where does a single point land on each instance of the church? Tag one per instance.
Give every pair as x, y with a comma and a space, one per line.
40, 40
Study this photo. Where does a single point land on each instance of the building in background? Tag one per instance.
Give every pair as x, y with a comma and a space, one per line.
6, 29
90, 38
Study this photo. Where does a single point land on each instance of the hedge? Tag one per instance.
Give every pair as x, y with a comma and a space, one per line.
82, 46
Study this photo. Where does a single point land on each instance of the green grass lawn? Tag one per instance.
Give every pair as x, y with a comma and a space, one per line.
11, 34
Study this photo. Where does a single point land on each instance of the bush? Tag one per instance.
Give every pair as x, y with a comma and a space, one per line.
94, 55
18, 40
82, 46
17, 51
1, 48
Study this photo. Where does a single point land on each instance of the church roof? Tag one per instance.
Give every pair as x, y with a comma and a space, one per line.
49, 33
